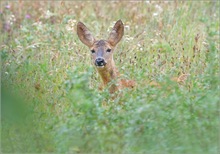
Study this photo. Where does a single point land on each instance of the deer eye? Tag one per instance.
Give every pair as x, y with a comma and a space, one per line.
93, 51
108, 50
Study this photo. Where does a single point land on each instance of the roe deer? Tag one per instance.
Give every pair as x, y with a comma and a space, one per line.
102, 55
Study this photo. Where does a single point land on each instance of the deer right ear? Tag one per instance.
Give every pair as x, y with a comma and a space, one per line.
85, 35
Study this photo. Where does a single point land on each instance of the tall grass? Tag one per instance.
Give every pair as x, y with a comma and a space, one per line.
50, 100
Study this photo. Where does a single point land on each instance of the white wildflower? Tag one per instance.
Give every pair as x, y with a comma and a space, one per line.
48, 14
127, 27
155, 14
158, 10
39, 23
70, 25
128, 38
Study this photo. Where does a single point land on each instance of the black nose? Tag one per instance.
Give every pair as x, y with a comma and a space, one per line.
100, 61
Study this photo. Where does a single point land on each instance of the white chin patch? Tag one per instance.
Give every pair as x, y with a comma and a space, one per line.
100, 66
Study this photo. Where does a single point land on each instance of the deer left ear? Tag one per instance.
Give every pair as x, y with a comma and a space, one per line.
116, 33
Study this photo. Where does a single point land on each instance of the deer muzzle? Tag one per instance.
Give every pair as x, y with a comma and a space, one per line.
100, 62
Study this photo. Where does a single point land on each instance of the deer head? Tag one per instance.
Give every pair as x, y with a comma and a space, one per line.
101, 50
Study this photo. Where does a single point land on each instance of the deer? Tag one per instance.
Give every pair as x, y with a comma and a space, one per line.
102, 56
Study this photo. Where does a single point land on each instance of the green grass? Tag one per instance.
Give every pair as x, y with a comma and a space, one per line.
50, 102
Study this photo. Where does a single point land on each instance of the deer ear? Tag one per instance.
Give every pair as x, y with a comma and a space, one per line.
116, 33
84, 34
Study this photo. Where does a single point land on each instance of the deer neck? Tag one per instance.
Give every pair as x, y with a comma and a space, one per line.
108, 73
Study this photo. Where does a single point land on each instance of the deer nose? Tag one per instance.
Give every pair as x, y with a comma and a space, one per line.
100, 61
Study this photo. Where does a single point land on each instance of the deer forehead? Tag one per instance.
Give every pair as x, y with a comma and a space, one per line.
102, 44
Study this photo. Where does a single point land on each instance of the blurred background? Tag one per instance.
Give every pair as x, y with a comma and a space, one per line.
50, 100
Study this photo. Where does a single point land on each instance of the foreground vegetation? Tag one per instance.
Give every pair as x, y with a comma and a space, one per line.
50, 98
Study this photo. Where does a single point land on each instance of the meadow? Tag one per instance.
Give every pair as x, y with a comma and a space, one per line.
50, 102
